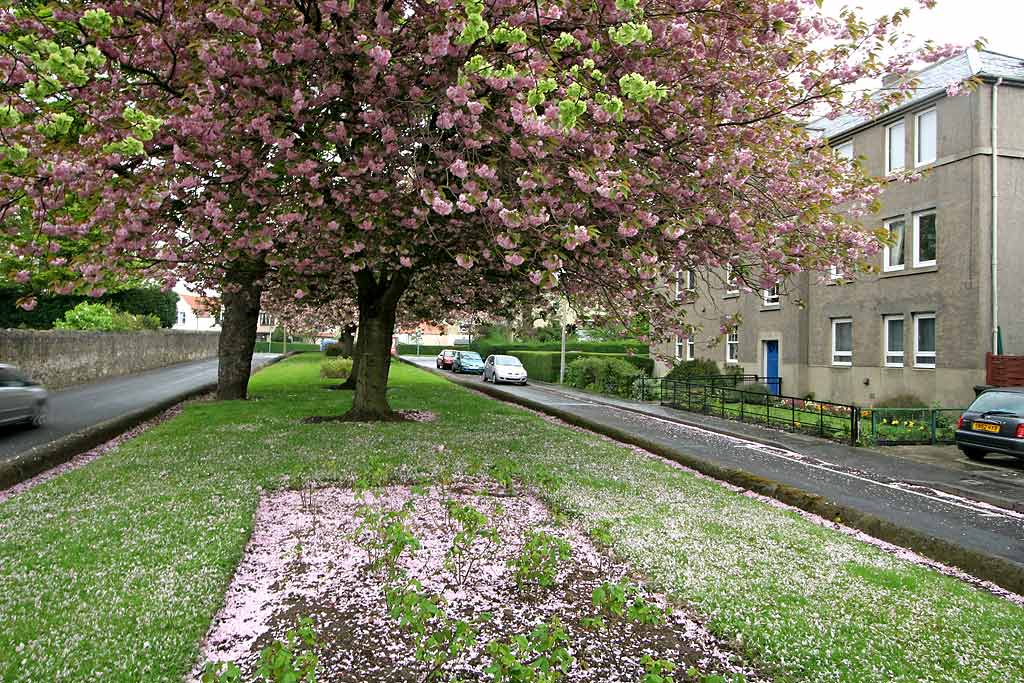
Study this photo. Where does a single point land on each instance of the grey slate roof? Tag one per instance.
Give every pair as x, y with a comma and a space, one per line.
932, 80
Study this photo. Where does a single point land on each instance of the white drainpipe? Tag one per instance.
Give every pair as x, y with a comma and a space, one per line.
995, 216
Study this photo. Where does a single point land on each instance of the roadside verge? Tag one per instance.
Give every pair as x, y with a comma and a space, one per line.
59, 451
1002, 572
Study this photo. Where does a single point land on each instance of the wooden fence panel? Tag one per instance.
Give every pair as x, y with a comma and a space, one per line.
1004, 371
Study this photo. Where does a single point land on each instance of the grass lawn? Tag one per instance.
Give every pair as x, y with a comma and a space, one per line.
112, 572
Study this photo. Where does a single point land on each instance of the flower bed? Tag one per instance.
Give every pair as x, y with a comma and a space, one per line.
471, 582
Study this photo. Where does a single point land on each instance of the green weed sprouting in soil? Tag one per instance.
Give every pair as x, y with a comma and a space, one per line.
292, 660
715, 678
657, 670
542, 656
537, 563
384, 536
505, 472
437, 638
474, 539
624, 601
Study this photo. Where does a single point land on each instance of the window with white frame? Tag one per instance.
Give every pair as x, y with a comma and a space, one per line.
732, 283
895, 147
690, 349
684, 283
182, 317
925, 239
925, 151
732, 347
924, 340
842, 341
771, 297
845, 150
680, 348
893, 253
893, 325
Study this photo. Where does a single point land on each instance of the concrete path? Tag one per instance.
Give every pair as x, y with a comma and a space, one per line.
970, 506
81, 407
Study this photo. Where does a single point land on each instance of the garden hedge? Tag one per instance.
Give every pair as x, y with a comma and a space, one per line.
51, 307
543, 365
486, 347
593, 372
429, 349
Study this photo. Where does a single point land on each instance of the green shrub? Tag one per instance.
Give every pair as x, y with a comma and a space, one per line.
601, 373
275, 347
333, 350
150, 302
701, 367
901, 401
487, 347
428, 349
87, 316
336, 368
51, 308
736, 395
543, 365
103, 317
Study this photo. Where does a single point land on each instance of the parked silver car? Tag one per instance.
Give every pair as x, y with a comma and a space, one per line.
21, 399
504, 369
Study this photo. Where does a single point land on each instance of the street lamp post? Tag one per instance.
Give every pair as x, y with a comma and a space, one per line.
561, 366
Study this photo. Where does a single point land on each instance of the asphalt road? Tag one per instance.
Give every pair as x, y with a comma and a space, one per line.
903, 492
79, 407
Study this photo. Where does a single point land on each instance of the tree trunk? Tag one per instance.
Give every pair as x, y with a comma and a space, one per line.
356, 353
378, 302
347, 339
240, 316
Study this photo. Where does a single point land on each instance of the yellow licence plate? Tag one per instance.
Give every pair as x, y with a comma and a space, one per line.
985, 427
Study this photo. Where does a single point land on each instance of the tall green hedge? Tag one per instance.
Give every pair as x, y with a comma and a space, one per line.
543, 365
487, 347
428, 349
593, 372
51, 307
275, 347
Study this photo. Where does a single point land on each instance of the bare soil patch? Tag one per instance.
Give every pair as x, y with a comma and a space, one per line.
311, 554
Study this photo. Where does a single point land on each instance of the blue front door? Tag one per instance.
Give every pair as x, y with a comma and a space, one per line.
771, 365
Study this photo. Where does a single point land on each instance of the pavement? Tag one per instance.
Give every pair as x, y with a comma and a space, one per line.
79, 408
938, 501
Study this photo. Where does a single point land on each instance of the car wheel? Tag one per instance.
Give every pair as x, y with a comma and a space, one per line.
40, 416
974, 453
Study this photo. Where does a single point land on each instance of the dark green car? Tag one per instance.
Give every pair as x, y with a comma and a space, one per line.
468, 361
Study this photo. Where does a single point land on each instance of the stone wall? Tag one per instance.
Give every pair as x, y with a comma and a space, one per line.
61, 358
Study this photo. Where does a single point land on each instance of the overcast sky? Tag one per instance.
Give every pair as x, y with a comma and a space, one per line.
1001, 22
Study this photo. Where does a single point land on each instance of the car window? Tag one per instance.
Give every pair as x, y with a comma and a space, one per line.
506, 360
9, 378
1010, 401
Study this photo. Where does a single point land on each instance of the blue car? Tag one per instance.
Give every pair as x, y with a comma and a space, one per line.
468, 361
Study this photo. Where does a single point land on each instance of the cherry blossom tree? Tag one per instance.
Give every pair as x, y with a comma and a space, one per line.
595, 148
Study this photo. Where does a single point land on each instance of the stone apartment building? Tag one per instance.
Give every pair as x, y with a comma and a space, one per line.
922, 324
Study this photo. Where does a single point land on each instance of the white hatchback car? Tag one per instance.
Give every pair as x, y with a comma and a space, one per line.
21, 399
504, 369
